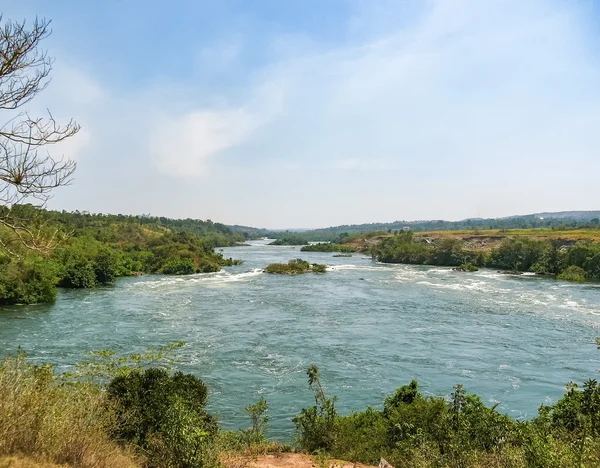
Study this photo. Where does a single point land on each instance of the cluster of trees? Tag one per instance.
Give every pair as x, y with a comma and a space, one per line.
577, 262
217, 234
328, 247
460, 431
296, 266
96, 252
290, 239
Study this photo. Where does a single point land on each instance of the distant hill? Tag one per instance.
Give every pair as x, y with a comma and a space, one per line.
564, 219
582, 215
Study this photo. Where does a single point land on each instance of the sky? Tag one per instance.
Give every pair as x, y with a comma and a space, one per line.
313, 113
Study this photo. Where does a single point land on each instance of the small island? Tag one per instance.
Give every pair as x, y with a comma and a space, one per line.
466, 267
296, 266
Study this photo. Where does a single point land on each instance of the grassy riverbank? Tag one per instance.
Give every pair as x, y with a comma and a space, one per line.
119, 411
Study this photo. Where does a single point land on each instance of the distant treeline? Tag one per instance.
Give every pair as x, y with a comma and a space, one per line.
576, 262
571, 220
328, 247
96, 249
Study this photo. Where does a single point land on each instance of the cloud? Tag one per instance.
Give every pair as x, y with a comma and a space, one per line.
492, 95
183, 144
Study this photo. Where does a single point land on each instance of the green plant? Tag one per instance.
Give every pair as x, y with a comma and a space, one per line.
179, 266
315, 426
164, 415
573, 273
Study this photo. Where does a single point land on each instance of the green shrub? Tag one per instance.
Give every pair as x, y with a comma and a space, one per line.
78, 273
179, 266
573, 273
164, 415
315, 426
27, 281
327, 247
467, 267
295, 267
105, 266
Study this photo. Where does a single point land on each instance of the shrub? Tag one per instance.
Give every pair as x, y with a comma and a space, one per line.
164, 415
27, 281
295, 267
179, 266
315, 426
467, 267
78, 273
573, 273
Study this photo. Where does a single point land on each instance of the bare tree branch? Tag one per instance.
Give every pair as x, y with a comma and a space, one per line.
27, 171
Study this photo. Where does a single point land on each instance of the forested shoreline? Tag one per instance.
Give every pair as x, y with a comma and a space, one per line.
573, 261
90, 250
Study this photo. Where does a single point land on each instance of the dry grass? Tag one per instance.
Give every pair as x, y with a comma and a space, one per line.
52, 421
26, 462
538, 233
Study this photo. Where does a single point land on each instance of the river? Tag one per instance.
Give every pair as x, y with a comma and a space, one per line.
514, 340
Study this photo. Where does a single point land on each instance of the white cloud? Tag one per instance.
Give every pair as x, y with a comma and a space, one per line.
182, 145
484, 94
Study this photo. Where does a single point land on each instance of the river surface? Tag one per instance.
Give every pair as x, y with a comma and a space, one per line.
514, 340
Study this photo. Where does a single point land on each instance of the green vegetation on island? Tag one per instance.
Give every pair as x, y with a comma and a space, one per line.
466, 267
328, 247
296, 266
289, 239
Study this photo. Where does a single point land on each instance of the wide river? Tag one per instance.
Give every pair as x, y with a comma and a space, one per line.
370, 328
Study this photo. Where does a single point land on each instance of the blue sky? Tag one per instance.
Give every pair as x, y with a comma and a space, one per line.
310, 113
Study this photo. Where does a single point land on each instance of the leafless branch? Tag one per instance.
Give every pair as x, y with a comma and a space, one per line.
27, 171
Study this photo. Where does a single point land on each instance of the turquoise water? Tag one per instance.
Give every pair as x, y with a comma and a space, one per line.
513, 340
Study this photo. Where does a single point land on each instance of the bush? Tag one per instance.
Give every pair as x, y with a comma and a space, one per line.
573, 273
295, 267
315, 426
179, 266
78, 273
164, 415
467, 267
27, 281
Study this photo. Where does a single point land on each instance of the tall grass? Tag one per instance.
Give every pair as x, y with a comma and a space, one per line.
48, 420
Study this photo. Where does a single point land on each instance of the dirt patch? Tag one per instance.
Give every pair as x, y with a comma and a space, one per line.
287, 460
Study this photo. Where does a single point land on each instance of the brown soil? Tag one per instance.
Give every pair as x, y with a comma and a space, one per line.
287, 460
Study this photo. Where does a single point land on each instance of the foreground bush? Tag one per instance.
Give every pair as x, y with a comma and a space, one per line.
46, 419
461, 431
164, 416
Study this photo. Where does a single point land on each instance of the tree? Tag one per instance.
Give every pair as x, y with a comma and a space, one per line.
27, 171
